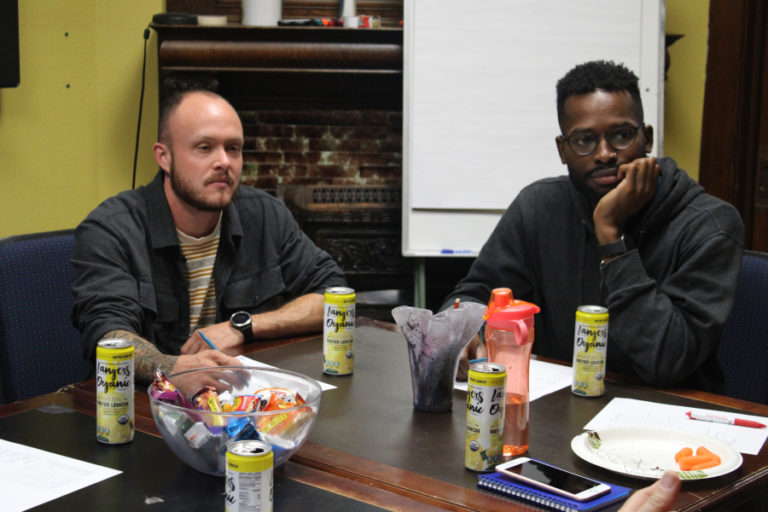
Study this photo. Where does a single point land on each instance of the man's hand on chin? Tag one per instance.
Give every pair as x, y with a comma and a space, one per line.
635, 190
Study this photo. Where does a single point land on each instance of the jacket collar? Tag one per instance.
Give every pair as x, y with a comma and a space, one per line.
162, 231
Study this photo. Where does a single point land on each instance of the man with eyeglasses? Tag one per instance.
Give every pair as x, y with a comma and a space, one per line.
622, 230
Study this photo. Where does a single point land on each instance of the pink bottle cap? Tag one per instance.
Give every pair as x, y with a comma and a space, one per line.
505, 318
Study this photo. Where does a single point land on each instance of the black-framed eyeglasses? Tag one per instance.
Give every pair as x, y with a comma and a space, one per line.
585, 143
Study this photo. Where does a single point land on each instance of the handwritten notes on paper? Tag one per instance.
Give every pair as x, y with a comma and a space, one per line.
626, 412
31, 477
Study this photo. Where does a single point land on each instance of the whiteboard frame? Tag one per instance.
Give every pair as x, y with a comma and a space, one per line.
452, 232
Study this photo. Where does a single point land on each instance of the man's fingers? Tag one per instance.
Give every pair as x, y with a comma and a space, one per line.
473, 350
221, 380
659, 497
193, 345
221, 359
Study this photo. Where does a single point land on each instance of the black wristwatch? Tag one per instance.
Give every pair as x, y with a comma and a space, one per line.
612, 249
241, 320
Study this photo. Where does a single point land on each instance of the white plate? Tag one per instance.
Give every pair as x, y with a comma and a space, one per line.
645, 452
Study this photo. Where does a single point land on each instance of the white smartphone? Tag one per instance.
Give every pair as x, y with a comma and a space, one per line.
553, 479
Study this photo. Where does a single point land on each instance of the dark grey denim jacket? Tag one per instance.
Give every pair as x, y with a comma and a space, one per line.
129, 270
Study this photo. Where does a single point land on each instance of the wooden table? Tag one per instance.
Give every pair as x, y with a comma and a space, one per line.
372, 449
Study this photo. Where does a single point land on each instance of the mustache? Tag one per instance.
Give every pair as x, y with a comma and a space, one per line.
601, 170
225, 177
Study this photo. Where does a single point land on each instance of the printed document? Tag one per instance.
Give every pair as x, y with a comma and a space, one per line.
30, 477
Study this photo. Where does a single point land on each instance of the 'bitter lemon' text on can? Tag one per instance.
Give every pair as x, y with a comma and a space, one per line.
114, 391
486, 388
249, 477
590, 346
339, 331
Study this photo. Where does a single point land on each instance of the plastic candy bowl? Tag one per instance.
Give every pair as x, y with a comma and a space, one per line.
200, 437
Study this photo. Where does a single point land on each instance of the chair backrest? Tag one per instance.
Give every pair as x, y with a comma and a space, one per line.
743, 349
40, 351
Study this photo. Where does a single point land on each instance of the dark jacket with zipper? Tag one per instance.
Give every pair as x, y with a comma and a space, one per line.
668, 297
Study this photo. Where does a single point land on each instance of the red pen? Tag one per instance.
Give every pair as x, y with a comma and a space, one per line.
730, 420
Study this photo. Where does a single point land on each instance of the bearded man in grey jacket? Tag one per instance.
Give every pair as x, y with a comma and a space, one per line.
622, 230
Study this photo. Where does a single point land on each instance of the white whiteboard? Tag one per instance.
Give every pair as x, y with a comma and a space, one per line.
479, 114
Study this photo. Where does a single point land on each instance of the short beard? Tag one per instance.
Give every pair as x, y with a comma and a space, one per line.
186, 194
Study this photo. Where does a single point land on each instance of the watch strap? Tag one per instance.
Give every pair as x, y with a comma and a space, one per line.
244, 327
612, 249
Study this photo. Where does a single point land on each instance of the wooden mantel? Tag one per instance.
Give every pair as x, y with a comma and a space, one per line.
281, 66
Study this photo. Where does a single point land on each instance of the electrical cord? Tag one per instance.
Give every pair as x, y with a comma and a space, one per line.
141, 106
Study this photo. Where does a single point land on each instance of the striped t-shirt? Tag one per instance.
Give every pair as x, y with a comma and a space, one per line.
200, 254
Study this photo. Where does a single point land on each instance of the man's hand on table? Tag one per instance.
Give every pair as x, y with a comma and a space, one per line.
658, 497
223, 335
204, 358
220, 380
475, 349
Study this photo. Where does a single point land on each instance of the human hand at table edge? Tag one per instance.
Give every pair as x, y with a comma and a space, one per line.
475, 349
203, 359
659, 497
147, 357
223, 335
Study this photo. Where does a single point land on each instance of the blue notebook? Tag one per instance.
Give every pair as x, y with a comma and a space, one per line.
501, 484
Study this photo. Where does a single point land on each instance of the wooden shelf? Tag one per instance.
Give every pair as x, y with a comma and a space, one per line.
328, 66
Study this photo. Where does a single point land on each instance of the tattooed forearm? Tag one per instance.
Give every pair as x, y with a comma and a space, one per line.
147, 358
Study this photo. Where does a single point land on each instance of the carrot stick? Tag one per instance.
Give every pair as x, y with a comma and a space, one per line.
712, 463
685, 452
687, 463
702, 450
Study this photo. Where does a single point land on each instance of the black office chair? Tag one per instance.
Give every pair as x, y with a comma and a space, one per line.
40, 351
743, 349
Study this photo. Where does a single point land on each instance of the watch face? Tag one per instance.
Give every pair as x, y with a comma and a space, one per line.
240, 319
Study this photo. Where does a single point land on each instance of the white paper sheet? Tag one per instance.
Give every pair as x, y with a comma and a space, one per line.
30, 477
544, 378
626, 412
247, 361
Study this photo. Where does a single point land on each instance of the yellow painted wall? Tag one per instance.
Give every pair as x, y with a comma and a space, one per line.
684, 92
67, 133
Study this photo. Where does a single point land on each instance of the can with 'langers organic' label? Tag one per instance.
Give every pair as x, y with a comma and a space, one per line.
114, 391
339, 331
590, 347
249, 477
486, 388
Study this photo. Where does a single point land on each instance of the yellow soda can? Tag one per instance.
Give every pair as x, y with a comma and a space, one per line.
114, 391
590, 348
339, 331
248, 485
486, 388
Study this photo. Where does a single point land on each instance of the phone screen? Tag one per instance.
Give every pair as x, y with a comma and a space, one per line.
553, 477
